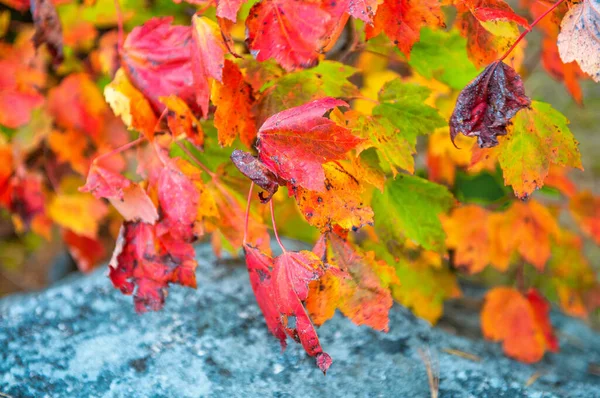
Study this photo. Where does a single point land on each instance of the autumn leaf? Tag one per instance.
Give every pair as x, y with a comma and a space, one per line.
570, 73
129, 198
208, 57
341, 202
291, 32
47, 28
70, 147
295, 143
362, 9
281, 286
490, 27
157, 60
409, 208
182, 121
79, 213
467, 234
484, 108
585, 208
87, 252
579, 38
538, 138
256, 171
402, 20
358, 286
520, 322
233, 99
130, 104
144, 264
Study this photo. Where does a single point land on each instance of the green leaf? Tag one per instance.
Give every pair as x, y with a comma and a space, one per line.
443, 55
409, 208
539, 137
403, 105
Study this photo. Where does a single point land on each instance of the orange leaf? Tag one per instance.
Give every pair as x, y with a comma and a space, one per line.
181, 120
522, 323
585, 208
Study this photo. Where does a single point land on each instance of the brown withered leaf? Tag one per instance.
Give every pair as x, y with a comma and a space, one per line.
484, 108
47, 28
255, 170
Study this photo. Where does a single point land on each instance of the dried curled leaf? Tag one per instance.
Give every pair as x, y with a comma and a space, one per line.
47, 28
484, 108
256, 171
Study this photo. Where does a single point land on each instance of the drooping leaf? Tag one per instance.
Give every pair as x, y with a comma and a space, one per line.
129, 198
359, 286
485, 107
281, 286
409, 208
233, 99
47, 28
538, 138
521, 322
402, 20
256, 171
579, 38
143, 264
342, 202
585, 208
295, 143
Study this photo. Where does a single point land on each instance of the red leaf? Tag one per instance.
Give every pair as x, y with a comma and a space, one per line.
295, 143
486, 105
47, 28
157, 59
144, 264
229, 8
280, 286
208, 57
255, 170
362, 9
541, 310
402, 20
291, 32
87, 252
128, 198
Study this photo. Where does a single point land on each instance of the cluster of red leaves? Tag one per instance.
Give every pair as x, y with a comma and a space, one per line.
167, 80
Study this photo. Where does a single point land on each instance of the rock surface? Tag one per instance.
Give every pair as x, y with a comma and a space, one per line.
82, 338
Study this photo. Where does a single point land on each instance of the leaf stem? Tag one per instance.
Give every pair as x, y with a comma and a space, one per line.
548, 11
195, 160
275, 227
247, 213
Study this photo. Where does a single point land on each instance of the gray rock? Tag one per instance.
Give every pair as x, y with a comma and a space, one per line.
82, 338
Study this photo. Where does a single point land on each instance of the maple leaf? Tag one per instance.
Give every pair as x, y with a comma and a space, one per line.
86, 252
579, 38
490, 27
233, 99
256, 171
143, 264
359, 286
130, 104
291, 32
295, 143
157, 59
47, 28
130, 199
585, 208
526, 228
208, 55
340, 203
402, 20
539, 137
409, 208
485, 107
281, 286
467, 234
521, 322
181, 120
